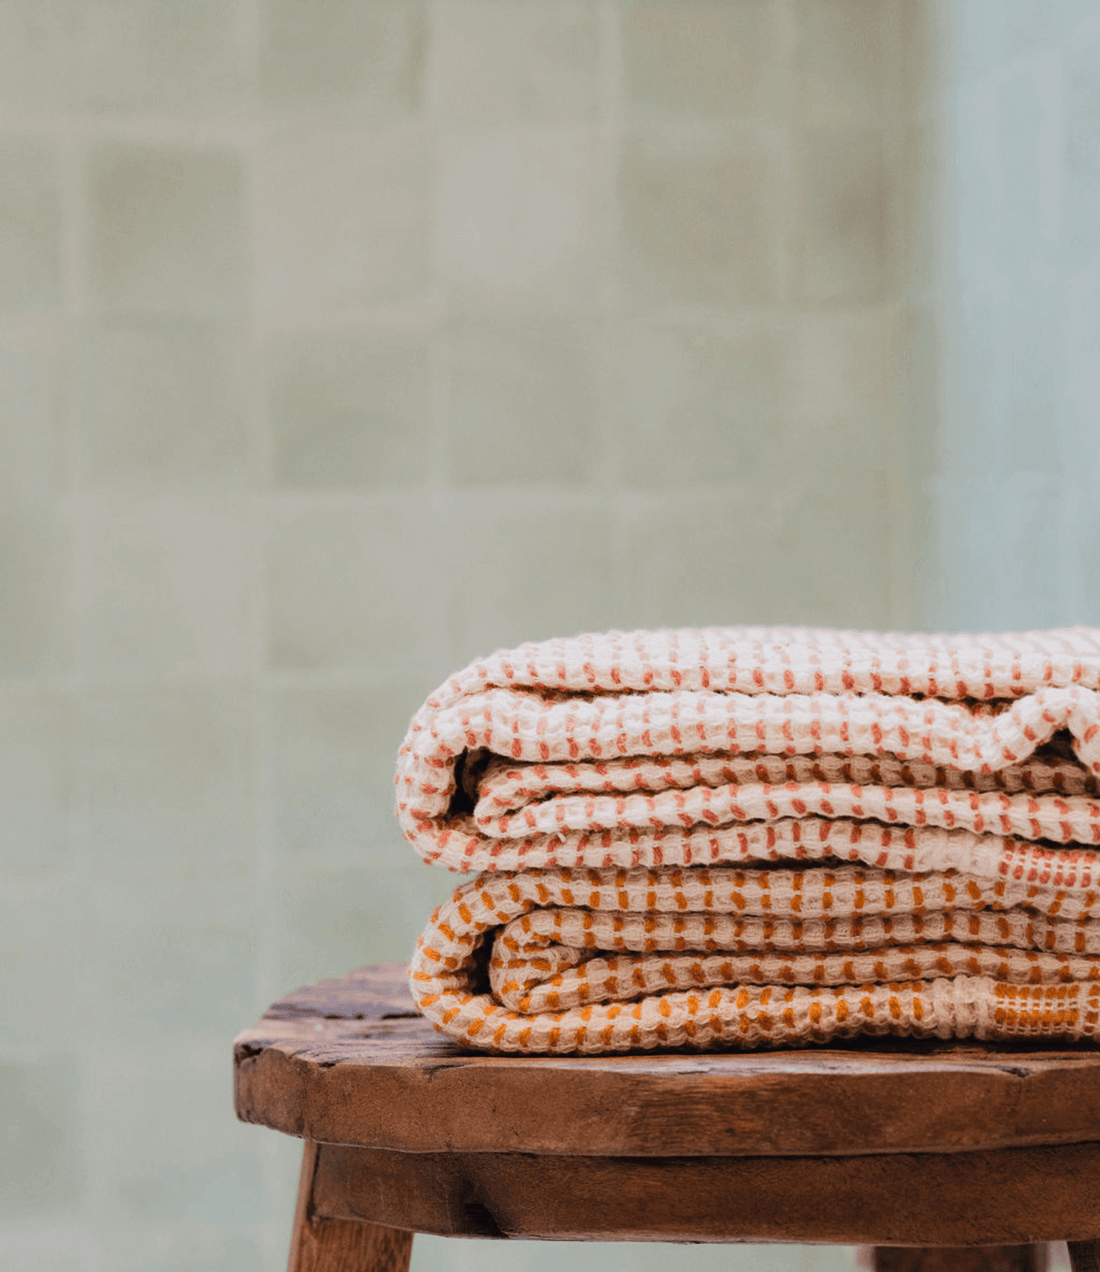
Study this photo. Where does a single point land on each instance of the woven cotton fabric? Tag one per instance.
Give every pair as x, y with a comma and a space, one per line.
746, 836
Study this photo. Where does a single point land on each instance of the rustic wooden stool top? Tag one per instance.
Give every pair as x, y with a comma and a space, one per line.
892, 1144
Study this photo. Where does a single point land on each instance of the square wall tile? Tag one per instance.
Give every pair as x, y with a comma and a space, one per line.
173, 964
30, 224
171, 1148
533, 568
165, 230
701, 223
930, 578
35, 572
921, 388
811, 397
333, 753
918, 199
164, 587
704, 60
32, 55
34, 369
43, 960
350, 409
497, 62
847, 429
841, 60
522, 215
847, 361
854, 456
332, 920
839, 542
925, 65
359, 586
343, 221
130, 56
37, 784
706, 559
523, 402
169, 783
761, 554
844, 216
701, 404
372, 55
161, 403
41, 1167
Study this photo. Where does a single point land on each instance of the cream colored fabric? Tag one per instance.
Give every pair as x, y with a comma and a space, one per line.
605, 786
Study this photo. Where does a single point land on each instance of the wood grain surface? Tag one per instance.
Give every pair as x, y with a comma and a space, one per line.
320, 1244
350, 1062
1009, 1196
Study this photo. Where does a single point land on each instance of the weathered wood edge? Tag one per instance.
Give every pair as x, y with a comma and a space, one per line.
349, 1062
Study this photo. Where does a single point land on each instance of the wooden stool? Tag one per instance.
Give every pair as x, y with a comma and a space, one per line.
891, 1144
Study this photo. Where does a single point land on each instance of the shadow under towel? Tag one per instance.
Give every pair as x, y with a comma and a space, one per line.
738, 837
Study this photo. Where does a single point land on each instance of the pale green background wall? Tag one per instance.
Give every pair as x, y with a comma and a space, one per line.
342, 340
1004, 355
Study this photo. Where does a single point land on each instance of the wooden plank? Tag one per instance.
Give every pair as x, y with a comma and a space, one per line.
1015, 1258
1014, 1196
350, 1062
341, 1245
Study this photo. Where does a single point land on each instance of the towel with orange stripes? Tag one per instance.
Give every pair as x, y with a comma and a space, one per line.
738, 837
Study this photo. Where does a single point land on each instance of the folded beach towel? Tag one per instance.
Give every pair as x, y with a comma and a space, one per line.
745, 836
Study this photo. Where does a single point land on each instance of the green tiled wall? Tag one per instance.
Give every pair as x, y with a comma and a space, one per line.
341, 341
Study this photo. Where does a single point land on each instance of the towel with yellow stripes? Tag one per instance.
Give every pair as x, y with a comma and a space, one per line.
737, 837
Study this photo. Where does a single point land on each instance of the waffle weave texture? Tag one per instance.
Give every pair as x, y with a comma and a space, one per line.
749, 836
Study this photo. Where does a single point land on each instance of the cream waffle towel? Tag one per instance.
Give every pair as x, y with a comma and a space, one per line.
746, 836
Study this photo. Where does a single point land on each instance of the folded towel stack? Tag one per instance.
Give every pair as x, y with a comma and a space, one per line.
743, 836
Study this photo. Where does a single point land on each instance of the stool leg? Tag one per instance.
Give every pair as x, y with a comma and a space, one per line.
1020, 1258
1084, 1256
341, 1245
